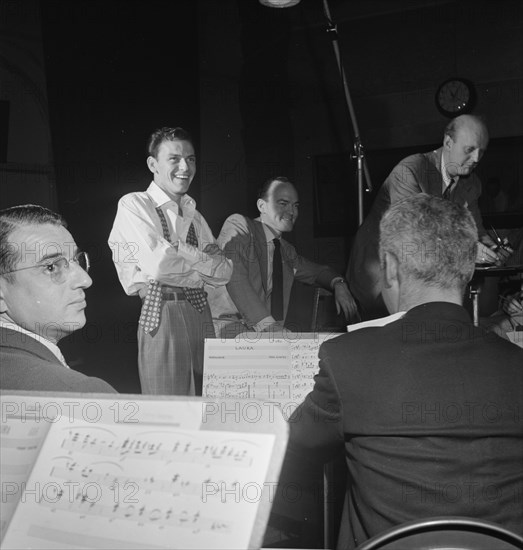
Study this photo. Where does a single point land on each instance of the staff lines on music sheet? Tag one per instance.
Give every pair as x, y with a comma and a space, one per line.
162, 517
175, 486
141, 449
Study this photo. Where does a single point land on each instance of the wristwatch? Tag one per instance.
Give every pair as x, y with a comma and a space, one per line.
337, 281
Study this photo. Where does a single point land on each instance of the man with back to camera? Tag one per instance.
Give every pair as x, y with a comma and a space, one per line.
164, 251
255, 296
446, 172
43, 277
426, 409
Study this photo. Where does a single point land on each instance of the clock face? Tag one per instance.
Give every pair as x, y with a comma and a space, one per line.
454, 97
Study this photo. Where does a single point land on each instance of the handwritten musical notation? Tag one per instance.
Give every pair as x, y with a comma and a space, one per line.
281, 371
26, 421
143, 449
140, 486
195, 521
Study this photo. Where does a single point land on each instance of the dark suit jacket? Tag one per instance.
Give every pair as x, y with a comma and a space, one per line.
427, 411
26, 364
244, 242
419, 173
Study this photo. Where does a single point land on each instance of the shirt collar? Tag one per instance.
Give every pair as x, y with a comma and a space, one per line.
52, 347
160, 197
444, 173
270, 234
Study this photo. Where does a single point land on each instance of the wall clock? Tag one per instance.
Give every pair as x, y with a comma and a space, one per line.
455, 96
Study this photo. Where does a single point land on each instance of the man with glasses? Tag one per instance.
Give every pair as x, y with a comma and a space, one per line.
43, 277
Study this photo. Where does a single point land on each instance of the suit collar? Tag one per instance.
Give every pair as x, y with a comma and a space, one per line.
14, 336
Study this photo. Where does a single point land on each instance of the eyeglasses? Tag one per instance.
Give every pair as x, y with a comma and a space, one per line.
58, 268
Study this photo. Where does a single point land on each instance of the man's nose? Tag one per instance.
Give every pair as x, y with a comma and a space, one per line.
79, 276
476, 155
183, 164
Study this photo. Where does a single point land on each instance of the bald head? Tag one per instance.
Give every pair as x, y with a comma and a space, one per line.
471, 122
464, 144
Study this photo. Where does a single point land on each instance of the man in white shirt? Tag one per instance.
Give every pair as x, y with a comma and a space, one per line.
164, 251
260, 287
43, 277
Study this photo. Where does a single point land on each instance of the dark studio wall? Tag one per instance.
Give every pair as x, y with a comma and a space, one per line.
116, 71
395, 54
83, 83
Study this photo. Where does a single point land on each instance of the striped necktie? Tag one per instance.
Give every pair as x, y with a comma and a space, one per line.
448, 190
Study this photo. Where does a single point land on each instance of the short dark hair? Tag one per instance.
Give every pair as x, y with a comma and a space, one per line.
166, 134
433, 239
17, 216
263, 191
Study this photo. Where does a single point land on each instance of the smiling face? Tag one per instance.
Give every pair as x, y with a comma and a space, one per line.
464, 151
174, 167
31, 298
279, 210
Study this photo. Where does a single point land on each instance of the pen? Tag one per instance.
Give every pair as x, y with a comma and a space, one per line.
498, 238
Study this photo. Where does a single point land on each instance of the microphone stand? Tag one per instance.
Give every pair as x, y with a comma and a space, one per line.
362, 168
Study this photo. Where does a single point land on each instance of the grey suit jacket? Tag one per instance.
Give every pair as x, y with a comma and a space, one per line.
26, 364
419, 173
243, 241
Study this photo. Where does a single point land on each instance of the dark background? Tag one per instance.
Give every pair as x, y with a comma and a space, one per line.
115, 72
83, 83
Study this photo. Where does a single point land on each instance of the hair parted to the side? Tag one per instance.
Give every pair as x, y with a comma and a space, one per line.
263, 191
433, 239
166, 134
14, 217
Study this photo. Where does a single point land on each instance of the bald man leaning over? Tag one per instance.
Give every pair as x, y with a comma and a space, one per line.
446, 172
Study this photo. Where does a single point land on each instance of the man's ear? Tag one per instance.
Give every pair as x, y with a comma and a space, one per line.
447, 142
390, 268
260, 203
151, 164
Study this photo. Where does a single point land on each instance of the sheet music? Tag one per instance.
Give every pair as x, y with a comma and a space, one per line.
26, 421
276, 370
141, 486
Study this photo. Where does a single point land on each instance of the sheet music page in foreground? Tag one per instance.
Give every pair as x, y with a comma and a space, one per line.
147, 486
25, 421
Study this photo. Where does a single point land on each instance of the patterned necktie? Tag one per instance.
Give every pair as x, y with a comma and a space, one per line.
150, 315
152, 304
277, 283
197, 297
446, 193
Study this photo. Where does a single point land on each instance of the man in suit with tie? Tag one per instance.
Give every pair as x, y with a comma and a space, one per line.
265, 265
164, 252
43, 278
447, 172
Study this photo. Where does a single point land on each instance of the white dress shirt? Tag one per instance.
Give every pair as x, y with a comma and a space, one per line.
140, 252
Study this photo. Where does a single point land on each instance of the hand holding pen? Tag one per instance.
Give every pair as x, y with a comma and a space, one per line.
502, 248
